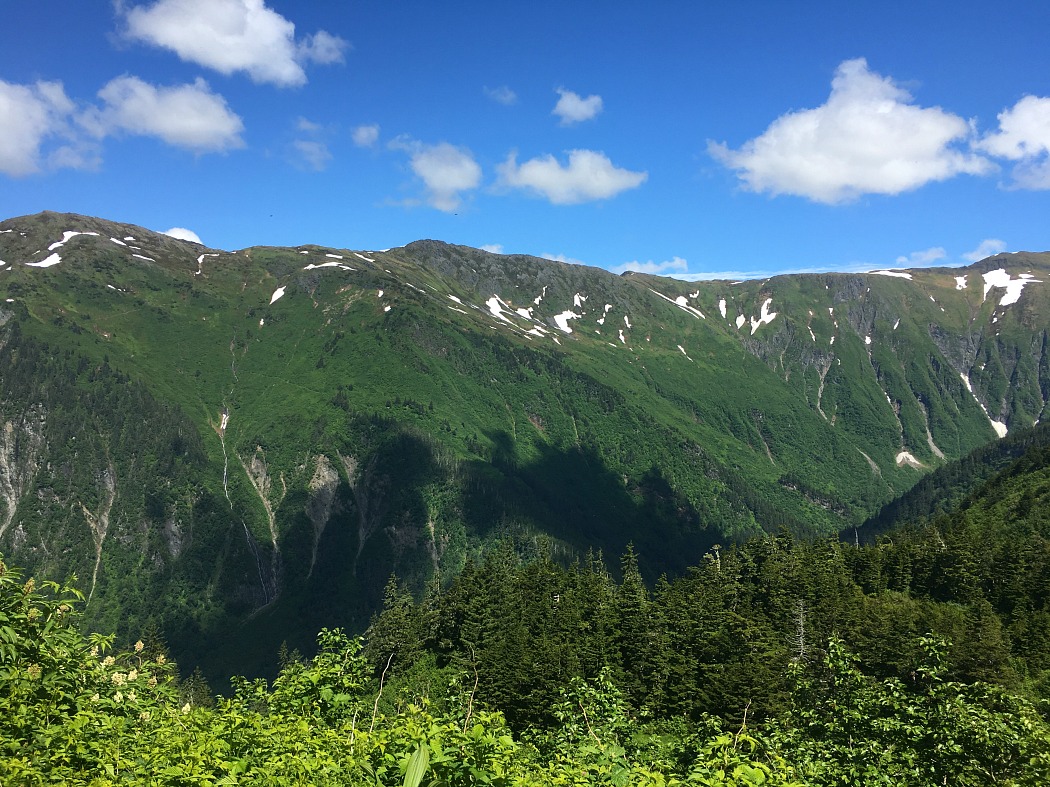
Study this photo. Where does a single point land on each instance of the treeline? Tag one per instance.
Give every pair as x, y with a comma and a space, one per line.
75, 712
718, 641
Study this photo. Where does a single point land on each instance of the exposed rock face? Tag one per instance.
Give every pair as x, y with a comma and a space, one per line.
323, 502
21, 447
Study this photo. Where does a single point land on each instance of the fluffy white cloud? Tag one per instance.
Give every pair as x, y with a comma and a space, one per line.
1024, 137
446, 171
674, 265
988, 247
184, 234
502, 95
187, 116
312, 154
588, 176
868, 138
233, 35
1024, 130
493, 248
919, 258
573, 108
365, 136
30, 114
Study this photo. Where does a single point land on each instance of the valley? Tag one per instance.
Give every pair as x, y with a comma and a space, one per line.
239, 448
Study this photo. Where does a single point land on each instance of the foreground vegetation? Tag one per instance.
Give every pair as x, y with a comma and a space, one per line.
74, 711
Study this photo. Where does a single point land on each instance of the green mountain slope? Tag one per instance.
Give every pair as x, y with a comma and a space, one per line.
241, 446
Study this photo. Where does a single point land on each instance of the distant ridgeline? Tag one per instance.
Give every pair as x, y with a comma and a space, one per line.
238, 448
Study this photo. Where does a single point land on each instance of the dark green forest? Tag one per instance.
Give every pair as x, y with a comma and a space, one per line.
922, 658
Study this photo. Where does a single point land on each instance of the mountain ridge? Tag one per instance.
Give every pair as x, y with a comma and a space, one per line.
327, 416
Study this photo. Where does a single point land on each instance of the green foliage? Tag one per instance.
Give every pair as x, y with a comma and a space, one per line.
71, 713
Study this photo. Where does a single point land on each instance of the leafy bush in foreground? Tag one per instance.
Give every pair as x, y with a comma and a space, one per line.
74, 712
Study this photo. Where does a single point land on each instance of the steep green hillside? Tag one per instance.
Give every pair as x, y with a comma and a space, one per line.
950, 486
240, 447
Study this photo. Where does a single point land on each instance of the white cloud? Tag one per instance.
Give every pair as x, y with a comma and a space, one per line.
302, 124
29, 115
322, 47
573, 108
674, 265
492, 248
988, 247
868, 138
312, 154
365, 136
502, 95
588, 176
919, 258
446, 171
1024, 137
187, 116
233, 35
562, 258
184, 234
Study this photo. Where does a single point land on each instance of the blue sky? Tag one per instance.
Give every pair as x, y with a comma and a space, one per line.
688, 138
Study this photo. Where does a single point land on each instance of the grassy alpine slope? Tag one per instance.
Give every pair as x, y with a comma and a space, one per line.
264, 435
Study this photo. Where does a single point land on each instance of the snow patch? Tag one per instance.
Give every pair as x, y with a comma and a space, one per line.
960, 282
379, 294
998, 426
54, 259
896, 324
340, 265
722, 307
627, 321
539, 297
304, 252
562, 320
681, 303
66, 236
867, 340
895, 274
680, 347
812, 335
1013, 287
335, 256
363, 257
740, 320
118, 242
277, 295
386, 308
577, 300
622, 340
141, 257
496, 306
457, 300
764, 318
526, 313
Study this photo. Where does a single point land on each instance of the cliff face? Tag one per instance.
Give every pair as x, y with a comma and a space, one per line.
240, 447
